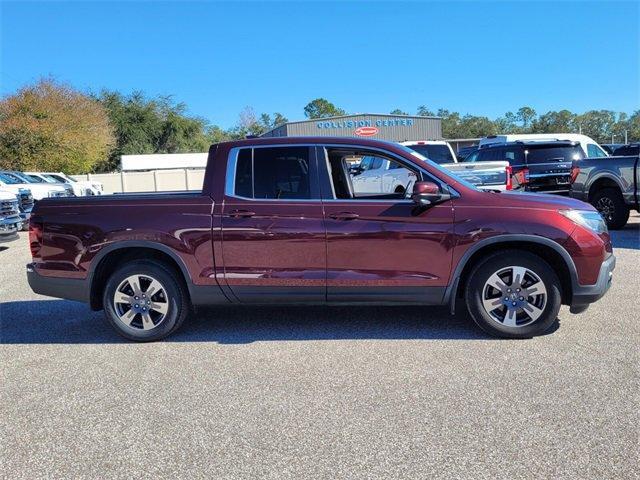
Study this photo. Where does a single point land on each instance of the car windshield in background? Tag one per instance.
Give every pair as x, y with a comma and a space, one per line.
52, 179
9, 180
35, 179
435, 153
551, 154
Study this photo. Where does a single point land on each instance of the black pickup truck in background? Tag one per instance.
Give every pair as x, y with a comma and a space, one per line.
610, 184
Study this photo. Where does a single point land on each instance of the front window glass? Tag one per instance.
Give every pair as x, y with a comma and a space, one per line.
593, 151
35, 179
4, 178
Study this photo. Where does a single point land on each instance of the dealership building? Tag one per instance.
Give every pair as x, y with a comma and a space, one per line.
396, 128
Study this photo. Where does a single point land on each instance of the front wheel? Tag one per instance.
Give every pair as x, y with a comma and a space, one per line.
513, 294
145, 301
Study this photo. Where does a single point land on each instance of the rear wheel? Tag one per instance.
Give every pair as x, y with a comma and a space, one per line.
610, 204
513, 294
145, 301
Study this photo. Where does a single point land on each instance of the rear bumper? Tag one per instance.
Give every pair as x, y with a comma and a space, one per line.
67, 288
586, 294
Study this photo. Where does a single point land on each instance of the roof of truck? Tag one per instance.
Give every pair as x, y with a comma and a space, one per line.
310, 140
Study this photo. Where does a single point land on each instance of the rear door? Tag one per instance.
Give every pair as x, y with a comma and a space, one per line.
379, 246
273, 236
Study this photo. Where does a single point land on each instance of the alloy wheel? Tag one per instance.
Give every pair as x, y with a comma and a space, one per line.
514, 296
606, 207
140, 301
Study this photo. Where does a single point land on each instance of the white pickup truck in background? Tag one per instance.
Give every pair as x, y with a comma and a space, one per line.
378, 175
10, 221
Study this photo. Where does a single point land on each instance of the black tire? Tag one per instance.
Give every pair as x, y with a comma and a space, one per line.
610, 204
174, 296
475, 291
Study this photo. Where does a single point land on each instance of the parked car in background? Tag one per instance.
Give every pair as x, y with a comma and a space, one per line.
610, 147
10, 182
80, 187
277, 222
626, 150
611, 185
26, 178
590, 147
485, 175
537, 166
10, 221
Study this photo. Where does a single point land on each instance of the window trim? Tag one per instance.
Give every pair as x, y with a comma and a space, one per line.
232, 165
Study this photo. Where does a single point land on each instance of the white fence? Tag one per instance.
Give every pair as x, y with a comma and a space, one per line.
150, 181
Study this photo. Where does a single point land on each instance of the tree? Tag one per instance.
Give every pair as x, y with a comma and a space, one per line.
322, 108
397, 111
597, 124
562, 121
423, 111
151, 125
50, 126
526, 116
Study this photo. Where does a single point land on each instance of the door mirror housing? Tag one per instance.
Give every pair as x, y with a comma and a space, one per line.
428, 193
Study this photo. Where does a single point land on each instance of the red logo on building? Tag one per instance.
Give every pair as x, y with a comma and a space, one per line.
366, 131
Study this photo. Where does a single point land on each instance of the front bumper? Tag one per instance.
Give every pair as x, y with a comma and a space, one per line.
9, 228
586, 294
67, 288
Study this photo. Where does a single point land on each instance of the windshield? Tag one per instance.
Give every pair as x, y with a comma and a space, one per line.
433, 164
35, 179
58, 178
17, 177
436, 153
4, 178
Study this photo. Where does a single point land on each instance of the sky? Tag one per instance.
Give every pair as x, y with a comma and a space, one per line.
483, 58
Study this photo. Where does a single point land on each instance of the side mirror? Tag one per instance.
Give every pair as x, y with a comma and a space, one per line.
427, 193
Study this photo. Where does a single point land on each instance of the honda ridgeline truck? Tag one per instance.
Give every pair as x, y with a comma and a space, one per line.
277, 221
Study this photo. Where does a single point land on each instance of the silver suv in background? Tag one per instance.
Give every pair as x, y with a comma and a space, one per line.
80, 187
14, 182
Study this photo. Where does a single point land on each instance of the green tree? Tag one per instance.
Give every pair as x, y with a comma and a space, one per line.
562, 121
423, 111
151, 125
397, 111
51, 126
597, 124
322, 108
526, 116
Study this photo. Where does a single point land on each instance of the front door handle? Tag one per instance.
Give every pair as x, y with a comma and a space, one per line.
344, 216
241, 214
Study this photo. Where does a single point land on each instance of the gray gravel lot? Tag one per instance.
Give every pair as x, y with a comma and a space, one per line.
319, 392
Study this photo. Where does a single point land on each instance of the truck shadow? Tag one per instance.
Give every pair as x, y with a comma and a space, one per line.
629, 236
64, 322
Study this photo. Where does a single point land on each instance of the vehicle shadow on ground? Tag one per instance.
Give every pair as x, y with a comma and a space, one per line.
627, 237
65, 322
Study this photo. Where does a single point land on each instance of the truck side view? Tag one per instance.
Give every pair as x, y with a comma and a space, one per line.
610, 184
278, 221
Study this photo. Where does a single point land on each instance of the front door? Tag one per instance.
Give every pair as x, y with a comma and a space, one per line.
273, 236
380, 247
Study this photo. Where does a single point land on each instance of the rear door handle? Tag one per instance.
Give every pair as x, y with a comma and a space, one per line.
241, 214
344, 216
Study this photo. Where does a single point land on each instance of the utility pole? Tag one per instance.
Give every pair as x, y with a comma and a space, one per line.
625, 138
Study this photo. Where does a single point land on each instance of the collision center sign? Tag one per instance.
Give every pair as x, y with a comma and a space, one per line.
364, 128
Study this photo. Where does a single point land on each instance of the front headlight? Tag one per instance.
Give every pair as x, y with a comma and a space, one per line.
587, 219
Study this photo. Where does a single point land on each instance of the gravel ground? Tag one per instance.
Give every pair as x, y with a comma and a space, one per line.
319, 392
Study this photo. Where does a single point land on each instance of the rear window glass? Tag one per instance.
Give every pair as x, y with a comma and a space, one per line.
553, 154
273, 173
435, 153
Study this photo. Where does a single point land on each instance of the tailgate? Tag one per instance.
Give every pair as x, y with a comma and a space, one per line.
481, 174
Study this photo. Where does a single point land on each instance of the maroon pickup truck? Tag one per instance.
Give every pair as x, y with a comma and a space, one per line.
278, 221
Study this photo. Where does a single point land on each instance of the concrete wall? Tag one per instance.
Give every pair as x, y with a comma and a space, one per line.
151, 181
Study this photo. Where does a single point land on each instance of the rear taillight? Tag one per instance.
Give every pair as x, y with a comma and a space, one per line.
509, 172
575, 171
36, 229
522, 177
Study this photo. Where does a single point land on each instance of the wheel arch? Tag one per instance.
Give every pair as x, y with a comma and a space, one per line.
603, 181
109, 258
557, 257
